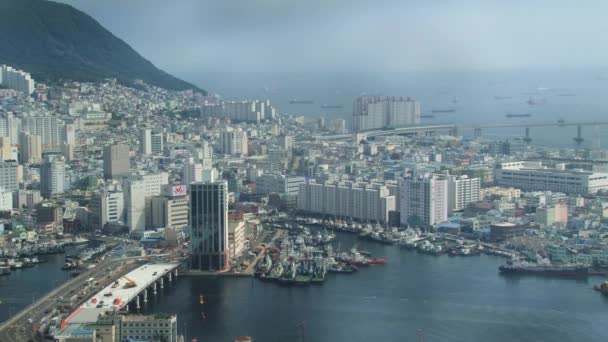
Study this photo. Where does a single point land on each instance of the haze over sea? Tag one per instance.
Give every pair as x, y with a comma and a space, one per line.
572, 95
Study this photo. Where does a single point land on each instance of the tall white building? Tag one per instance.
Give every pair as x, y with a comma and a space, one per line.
9, 175
192, 172
370, 112
49, 128
52, 176
10, 126
424, 197
106, 207
135, 206
30, 148
462, 191
247, 111
362, 201
234, 142
16, 79
145, 141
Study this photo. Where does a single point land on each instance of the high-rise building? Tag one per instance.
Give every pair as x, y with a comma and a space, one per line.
171, 209
145, 141
30, 148
116, 162
106, 207
192, 172
371, 112
424, 199
209, 226
157, 143
52, 176
16, 79
6, 152
358, 200
49, 128
234, 142
9, 175
10, 126
462, 191
135, 206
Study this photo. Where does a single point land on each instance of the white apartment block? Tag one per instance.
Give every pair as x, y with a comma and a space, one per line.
49, 128
234, 142
371, 112
426, 197
135, 204
362, 201
16, 79
462, 191
532, 176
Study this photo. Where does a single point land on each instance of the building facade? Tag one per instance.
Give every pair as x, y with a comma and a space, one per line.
372, 112
209, 226
424, 197
116, 161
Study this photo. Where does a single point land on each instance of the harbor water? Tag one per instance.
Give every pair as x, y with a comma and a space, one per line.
449, 298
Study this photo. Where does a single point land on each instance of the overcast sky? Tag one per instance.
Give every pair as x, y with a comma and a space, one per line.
181, 36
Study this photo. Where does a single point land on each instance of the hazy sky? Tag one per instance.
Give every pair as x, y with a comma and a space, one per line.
181, 36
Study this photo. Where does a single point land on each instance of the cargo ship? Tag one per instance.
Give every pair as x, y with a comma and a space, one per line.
427, 116
544, 267
328, 106
443, 110
525, 115
297, 101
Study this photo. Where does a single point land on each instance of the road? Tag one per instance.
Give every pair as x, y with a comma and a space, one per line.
24, 325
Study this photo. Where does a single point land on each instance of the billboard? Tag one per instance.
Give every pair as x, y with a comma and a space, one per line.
176, 190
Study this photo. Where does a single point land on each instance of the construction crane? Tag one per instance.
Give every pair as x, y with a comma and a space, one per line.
130, 283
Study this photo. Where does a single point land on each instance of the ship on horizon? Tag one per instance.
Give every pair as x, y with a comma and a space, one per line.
299, 101
330, 106
448, 110
523, 115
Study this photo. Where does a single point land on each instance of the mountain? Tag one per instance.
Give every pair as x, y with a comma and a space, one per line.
55, 42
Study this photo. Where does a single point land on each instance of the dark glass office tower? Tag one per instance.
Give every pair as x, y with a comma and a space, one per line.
209, 222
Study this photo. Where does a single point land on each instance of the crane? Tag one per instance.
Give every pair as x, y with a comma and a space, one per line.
130, 283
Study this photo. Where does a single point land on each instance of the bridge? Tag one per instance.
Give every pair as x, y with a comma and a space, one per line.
454, 129
127, 289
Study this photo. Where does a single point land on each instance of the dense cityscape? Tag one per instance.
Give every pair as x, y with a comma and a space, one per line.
166, 180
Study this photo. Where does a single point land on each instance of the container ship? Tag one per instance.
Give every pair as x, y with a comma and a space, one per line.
525, 115
427, 116
297, 101
544, 267
329, 106
443, 110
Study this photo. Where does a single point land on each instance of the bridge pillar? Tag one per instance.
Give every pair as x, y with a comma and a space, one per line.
527, 138
162, 282
170, 279
137, 302
154, 288
145, 295
579, 136
176, 273
477, 132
